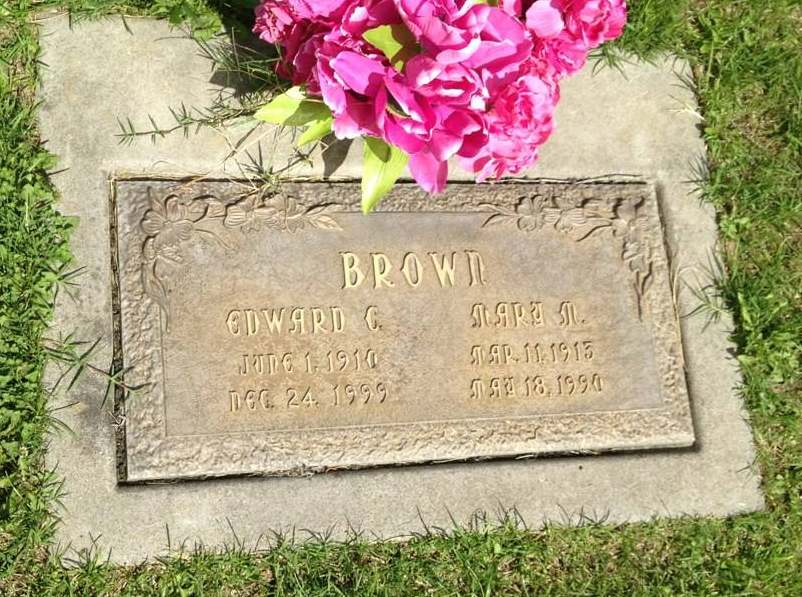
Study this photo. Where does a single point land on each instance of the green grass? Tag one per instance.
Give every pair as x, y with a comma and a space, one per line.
747, 59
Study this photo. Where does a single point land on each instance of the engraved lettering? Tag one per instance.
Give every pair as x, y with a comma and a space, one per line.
337, 320
298, 320
236, 402
412, 264
536, 312
274, 319
370, 318
264, 399
569, 317
472, 271
251, 322
476, 355
381, 269
317, 320
444, 268
502, 315
291, 320
477, 268
477, 389
479, 316
232, 322
518, 315
352, 275
507, 315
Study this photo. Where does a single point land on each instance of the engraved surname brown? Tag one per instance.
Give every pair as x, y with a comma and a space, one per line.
384, 271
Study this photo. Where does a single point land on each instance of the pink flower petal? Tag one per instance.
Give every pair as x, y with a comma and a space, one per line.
428, 172
358, 72
544, 19
421, 70
401, 136
444, 145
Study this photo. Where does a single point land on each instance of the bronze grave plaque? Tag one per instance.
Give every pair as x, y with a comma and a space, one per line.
287, 333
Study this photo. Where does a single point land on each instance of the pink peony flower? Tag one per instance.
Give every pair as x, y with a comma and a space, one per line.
432, 110
594, 21
274, 20
319, 11
519, 121
278, 20
299, 62
448, 30
566, 30
483, 86
452, 84
505, 47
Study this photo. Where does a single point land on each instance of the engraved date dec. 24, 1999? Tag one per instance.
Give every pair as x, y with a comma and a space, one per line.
306, 397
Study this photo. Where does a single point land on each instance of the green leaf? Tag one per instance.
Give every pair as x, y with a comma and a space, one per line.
293, 108
317, 130
395, 41
382, 166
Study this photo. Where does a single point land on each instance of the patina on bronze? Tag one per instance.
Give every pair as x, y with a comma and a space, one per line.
284, 332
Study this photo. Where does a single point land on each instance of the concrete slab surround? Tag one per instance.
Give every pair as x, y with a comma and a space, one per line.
641, 124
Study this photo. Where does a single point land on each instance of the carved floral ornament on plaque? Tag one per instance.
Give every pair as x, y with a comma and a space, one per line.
173, 220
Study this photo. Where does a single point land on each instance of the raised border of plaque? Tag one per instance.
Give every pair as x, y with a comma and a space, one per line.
626, 212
